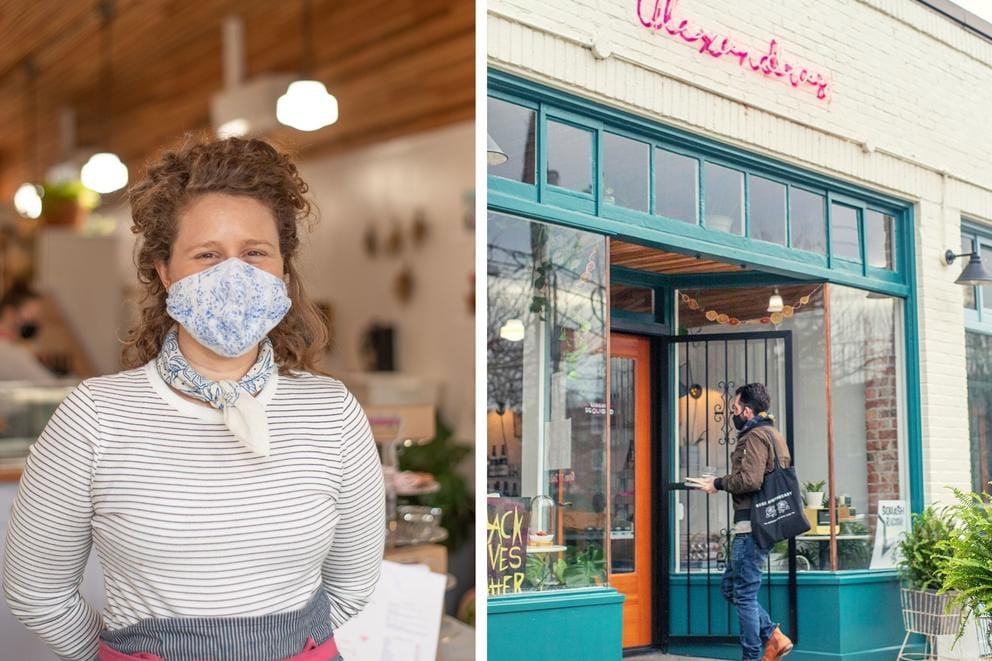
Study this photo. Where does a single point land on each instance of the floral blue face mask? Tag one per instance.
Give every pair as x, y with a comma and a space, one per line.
230, 307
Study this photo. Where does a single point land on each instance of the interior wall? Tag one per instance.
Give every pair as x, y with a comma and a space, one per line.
379, 187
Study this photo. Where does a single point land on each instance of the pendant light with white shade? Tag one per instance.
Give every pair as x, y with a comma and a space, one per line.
307, 105
27, 198
104, 172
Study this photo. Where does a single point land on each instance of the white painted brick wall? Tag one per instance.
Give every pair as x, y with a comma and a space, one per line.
912, 83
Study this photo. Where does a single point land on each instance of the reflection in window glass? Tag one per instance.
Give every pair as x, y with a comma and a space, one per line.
766, 210
844, 235
986, 253
978, 349
625, 172
632, 299
676, 186
546, 391
879, 229
867, 352
512, 128
724, 190
970, 300
569, 157
808, 221
622, 454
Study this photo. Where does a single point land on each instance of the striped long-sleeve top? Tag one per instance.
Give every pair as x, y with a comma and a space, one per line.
186, 522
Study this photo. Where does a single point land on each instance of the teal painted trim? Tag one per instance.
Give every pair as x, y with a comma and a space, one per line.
628, 276
617, 314
810, 578
914, 396
602, 118
735, 280
686, 239
567, 624
534, 601
509, 86
514, 188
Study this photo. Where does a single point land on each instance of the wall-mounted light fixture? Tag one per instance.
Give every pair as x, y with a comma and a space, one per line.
974, 273
695, 391
494, 155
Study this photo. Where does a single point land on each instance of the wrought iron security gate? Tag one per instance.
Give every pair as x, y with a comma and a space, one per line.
700, 437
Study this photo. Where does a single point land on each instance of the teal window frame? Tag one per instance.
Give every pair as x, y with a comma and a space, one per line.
553, 105
978, 320
538, 203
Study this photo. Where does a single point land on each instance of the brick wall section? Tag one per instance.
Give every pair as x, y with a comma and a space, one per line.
881, 422
909, 116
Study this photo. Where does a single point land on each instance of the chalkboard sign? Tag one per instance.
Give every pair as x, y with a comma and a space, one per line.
506, 535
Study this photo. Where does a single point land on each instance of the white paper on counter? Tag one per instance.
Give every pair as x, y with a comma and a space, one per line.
402, 621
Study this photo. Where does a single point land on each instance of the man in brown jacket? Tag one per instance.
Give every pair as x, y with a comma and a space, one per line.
752, 459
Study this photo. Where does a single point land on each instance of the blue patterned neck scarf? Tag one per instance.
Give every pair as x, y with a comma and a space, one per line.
243, 414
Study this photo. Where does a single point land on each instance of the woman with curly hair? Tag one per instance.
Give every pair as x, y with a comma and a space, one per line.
232, 491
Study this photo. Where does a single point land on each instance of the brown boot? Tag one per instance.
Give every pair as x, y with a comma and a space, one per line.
778, 645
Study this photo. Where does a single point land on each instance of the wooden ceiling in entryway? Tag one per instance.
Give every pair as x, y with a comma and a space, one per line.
396, 66
654, 260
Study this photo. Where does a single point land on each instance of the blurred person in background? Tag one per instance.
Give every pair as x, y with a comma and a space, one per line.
20, 314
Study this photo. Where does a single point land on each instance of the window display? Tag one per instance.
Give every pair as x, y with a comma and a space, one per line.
547, 400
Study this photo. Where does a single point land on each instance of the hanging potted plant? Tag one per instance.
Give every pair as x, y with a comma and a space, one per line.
928, 607
67, 204
967, 570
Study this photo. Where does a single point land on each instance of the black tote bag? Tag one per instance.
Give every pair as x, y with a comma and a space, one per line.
777, 508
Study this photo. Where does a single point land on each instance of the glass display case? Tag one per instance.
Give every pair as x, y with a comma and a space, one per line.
547, 402
24, 411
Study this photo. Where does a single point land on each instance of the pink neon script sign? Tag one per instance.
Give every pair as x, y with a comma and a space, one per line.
771, 63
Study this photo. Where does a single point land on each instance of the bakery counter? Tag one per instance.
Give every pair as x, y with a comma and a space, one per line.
24, 411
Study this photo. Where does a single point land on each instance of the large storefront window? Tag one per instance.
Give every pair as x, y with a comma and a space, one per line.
547, 398
866, 383
979, 359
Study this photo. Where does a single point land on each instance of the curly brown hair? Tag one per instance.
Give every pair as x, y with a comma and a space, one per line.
201, 164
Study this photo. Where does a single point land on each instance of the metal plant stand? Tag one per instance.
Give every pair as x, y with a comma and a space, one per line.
930, 615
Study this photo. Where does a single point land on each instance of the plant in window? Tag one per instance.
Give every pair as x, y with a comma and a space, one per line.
814, 493
588, 567
853, 553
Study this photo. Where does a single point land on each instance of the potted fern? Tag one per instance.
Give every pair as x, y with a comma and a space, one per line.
929, 607
967, 563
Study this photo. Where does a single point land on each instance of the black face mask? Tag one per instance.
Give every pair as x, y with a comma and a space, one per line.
28, 330
739, 422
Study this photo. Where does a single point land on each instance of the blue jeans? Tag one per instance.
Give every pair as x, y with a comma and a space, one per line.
740, 584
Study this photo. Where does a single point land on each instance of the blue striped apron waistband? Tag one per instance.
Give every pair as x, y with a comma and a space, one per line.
272, 637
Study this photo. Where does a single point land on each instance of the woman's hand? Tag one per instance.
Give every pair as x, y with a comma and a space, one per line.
707, 484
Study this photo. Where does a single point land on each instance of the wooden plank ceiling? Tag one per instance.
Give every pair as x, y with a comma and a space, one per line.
654, 260
746, 304
753, 306
396, 66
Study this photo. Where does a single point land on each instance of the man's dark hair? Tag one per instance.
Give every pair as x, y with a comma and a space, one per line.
755, 396
17, 295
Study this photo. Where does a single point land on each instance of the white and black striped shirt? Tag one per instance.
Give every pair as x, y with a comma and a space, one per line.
185, 520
